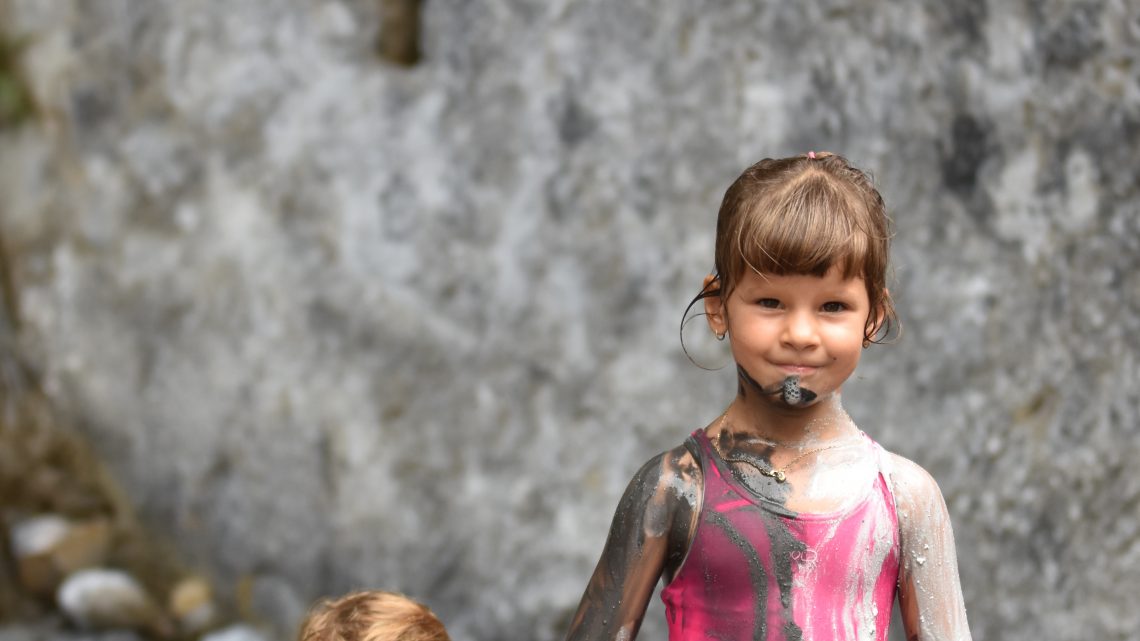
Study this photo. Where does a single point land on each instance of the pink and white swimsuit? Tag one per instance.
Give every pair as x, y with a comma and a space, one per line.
757, 571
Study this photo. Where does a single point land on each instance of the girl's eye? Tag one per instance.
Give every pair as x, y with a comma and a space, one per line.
833, 306
770, 303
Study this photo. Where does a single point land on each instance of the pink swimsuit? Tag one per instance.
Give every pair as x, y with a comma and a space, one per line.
758, 571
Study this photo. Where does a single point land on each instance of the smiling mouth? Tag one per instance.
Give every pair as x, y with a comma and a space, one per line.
799, 370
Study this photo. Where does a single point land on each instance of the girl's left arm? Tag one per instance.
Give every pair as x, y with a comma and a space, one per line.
930, 593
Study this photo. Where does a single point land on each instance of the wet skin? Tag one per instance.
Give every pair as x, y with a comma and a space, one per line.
782, 323
649, 537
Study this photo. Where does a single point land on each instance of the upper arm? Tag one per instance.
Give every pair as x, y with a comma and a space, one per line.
649, 533
930, 593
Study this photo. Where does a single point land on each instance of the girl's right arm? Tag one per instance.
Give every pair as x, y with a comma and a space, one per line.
650, 535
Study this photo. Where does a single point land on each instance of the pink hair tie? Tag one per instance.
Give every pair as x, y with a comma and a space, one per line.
811, 155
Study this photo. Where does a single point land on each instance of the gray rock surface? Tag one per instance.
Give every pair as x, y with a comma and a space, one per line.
336, 323
237, 633
54, 629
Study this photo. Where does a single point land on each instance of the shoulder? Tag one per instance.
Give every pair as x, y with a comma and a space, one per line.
917, 495
666, 487
667, 482
673, 471
910, 477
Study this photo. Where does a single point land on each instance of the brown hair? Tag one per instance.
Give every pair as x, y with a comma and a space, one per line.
372, 616
805, 215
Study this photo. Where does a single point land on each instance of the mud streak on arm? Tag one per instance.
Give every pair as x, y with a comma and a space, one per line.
649, 536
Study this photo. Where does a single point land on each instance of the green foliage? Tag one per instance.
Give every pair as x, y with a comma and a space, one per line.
16, 102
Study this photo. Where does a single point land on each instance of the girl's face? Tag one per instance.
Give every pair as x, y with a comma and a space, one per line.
809, 326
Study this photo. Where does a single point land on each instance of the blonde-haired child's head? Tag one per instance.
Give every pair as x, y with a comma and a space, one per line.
806, 215
372, 615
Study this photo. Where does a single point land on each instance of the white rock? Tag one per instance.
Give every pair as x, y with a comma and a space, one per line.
38, 534
101, 599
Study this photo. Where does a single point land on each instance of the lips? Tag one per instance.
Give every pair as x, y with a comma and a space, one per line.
799, 370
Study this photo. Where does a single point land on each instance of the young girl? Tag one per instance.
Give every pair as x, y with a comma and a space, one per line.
781, 519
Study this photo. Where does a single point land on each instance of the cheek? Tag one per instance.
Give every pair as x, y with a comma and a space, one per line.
847, 361
842, 367
751, 328
846, 345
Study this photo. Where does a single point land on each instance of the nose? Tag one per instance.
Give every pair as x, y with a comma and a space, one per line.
800, 330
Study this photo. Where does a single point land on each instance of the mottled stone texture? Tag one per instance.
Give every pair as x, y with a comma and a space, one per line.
338, 323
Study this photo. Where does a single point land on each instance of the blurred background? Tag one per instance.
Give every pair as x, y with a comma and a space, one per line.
310, 295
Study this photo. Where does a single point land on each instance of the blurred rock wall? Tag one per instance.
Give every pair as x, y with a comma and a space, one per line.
334, 322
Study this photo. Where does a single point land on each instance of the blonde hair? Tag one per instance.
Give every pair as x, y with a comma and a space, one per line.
806, 215
372, 615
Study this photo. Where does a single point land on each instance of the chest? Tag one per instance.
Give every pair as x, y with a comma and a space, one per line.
741, 543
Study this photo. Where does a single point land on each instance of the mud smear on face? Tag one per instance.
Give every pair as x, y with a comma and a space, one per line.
793, 394
789, 390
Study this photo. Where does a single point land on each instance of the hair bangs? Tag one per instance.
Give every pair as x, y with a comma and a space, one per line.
808, 228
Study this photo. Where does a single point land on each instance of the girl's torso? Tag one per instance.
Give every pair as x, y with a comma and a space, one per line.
756, 570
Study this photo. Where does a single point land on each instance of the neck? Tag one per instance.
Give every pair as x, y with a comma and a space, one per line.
771, 419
